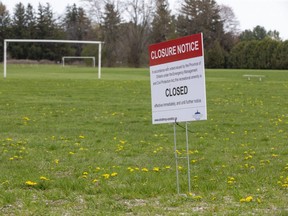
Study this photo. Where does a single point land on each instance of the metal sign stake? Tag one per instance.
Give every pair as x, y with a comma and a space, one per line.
185, 157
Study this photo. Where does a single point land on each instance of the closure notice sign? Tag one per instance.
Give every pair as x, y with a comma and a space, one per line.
177, 78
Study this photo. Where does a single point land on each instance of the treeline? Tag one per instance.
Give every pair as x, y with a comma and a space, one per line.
128, 27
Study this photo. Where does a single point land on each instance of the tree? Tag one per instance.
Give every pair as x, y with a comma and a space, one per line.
96, 7
19, 21
230, 22
203, 16
162, 25
281, 55
258, 33
45, 22
137, 31
246, 35
19, 30
215, 56
30, 21
5, 23
275, 35
111, 32
77, 26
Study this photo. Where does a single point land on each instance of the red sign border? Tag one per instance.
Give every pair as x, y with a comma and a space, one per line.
174, 55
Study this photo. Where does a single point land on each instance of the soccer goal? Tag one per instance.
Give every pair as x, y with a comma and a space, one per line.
78, 57
6, 41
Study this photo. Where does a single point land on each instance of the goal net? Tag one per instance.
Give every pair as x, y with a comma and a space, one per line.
78, 57
7, 41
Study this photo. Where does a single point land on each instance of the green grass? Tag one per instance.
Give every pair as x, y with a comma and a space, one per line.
94, 143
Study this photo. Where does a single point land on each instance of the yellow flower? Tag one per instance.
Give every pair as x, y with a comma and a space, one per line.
247, 199
26, 118
130, 169
56, 161
156, 169
95, 180
114, 174
106, 176
144, 169
178, 152
274, 155
85, 173
197, 197
30, 183
81, 137
71, 153
44, 178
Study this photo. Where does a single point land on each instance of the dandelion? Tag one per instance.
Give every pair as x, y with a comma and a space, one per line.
81, 137
95, 180
71, 153
122, 142
156, 169
114, 174
231, 180
130, 169
30, 183
144, 169
247, 199
167, 167
56, 161
193, 161
85, 173
195, 197
274, 155
106, 176
248, 157
43, 178
26, 118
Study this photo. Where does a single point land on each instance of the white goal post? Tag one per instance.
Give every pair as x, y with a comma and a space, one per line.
6, 41
78, 57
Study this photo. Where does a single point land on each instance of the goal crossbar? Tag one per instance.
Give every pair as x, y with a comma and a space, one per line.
78, 57
6, 41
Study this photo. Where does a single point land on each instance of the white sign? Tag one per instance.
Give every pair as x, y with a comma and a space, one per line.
178, 80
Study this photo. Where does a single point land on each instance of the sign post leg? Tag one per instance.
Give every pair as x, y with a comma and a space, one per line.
188, 158
184, 157
176, 159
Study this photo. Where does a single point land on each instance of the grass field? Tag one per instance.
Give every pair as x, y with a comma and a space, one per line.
74, 145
